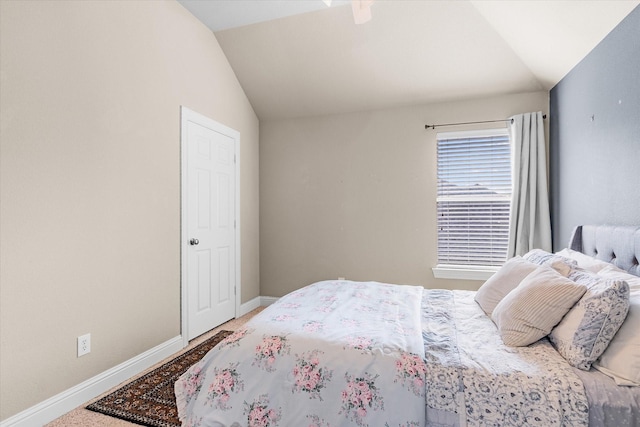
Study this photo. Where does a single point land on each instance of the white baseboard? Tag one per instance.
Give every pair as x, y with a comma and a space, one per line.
248, 306
58, 405
268, 300
74, 397
255, 303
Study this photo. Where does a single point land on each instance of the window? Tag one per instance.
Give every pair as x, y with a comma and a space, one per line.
474, 194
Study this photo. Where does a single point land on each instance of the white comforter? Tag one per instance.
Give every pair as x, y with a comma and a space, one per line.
350, 355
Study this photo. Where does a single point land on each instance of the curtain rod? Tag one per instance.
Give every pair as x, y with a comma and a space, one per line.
544, 116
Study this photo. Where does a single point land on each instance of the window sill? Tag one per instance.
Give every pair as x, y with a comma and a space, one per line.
463, 272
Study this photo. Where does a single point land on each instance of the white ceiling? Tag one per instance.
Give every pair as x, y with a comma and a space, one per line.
302, 58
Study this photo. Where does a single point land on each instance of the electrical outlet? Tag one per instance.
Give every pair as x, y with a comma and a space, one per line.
84, 344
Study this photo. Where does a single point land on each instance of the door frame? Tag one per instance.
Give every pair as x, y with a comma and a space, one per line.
187, 115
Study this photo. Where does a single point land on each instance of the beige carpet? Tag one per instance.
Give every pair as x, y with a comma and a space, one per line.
81, 417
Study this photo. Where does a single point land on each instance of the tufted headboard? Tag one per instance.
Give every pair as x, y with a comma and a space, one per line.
619, 245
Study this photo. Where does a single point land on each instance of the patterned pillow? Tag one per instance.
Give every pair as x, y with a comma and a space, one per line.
531, 310
559, 263
588, 328
621, 359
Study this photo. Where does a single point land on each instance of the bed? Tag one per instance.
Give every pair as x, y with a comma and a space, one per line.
343, 353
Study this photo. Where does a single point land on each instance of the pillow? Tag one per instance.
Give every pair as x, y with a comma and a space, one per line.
559, 263
531, 310
585, 261
588, 328
621, 360
502, 282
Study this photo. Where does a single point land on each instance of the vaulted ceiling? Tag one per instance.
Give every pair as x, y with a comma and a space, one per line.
302, 58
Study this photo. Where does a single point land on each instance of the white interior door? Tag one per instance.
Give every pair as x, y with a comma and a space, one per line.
209, 223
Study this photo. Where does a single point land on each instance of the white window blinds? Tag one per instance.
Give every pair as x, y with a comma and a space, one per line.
474, 193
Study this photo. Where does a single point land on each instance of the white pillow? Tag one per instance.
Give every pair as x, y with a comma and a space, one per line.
502, 282
585, 261
510, 275
588, 328
621, 360
531, 310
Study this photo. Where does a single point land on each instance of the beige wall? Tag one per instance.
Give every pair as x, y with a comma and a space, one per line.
353, 195
90, 182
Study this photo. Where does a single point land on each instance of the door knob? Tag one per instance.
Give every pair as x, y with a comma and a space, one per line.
194, 242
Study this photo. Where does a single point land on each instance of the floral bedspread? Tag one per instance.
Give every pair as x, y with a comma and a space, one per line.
341, 353
473, 379
335, 353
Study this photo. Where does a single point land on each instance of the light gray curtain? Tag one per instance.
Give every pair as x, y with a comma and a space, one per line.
530, 223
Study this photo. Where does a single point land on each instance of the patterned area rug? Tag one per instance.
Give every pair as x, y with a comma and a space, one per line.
150, 400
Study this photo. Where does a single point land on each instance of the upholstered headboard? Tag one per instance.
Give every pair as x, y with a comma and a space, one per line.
619, 245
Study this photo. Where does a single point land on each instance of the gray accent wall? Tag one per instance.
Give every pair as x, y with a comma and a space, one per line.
595, 136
